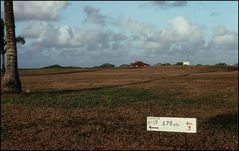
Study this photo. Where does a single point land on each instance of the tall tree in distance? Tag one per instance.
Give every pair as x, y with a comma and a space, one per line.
11, 81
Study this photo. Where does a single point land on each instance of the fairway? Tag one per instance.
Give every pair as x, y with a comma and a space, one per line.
94, 108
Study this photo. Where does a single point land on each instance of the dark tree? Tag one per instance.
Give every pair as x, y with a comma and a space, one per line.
11, 81
19, 39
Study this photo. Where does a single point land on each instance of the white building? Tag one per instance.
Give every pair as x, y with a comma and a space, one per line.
186, 63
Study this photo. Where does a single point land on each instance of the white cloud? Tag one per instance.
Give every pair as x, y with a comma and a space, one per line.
139, 30
179, 29
96, 42
94, 15
168, 4
84, 37
33, 29
180, 36
224, 39
38, 10
151, 45
58, 37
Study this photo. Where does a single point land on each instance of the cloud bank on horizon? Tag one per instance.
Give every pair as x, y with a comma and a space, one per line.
85, 34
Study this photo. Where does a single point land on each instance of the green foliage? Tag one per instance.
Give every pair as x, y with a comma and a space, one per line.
3, 44
106, 65
221, 64
20, 39
179, 63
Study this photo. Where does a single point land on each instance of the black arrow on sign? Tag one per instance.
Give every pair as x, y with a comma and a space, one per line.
153, 127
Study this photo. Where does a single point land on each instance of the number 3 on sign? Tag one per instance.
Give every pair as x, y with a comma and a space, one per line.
189, 125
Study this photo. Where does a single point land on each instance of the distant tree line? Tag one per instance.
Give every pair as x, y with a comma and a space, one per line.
109, 65
105, 65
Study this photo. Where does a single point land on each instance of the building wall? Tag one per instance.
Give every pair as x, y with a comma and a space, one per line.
186, 63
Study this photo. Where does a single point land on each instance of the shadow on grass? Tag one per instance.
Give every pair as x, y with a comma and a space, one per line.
89, 97
83, 98
57, 73
227, 122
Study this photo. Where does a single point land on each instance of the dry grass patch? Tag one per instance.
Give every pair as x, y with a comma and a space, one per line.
107, 109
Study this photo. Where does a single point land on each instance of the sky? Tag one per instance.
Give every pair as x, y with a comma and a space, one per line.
90, 33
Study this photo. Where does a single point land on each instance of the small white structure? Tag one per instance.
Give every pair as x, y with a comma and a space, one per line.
186, 63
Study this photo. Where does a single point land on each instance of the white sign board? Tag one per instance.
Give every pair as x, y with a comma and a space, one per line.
172, 124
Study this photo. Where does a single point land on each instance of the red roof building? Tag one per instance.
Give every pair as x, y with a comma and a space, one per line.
139, 64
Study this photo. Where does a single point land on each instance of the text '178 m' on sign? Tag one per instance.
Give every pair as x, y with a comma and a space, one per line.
172, 124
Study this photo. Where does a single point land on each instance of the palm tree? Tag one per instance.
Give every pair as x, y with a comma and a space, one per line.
2, 44
19, 39
11, 81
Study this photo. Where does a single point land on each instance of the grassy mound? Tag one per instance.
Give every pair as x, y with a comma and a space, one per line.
53, 66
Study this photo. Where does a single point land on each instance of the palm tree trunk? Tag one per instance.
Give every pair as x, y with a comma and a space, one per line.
2, 46
11, 81
3, 62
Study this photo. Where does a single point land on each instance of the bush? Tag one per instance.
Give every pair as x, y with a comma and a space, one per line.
54, 66
179, 63
221, 64
107, 65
